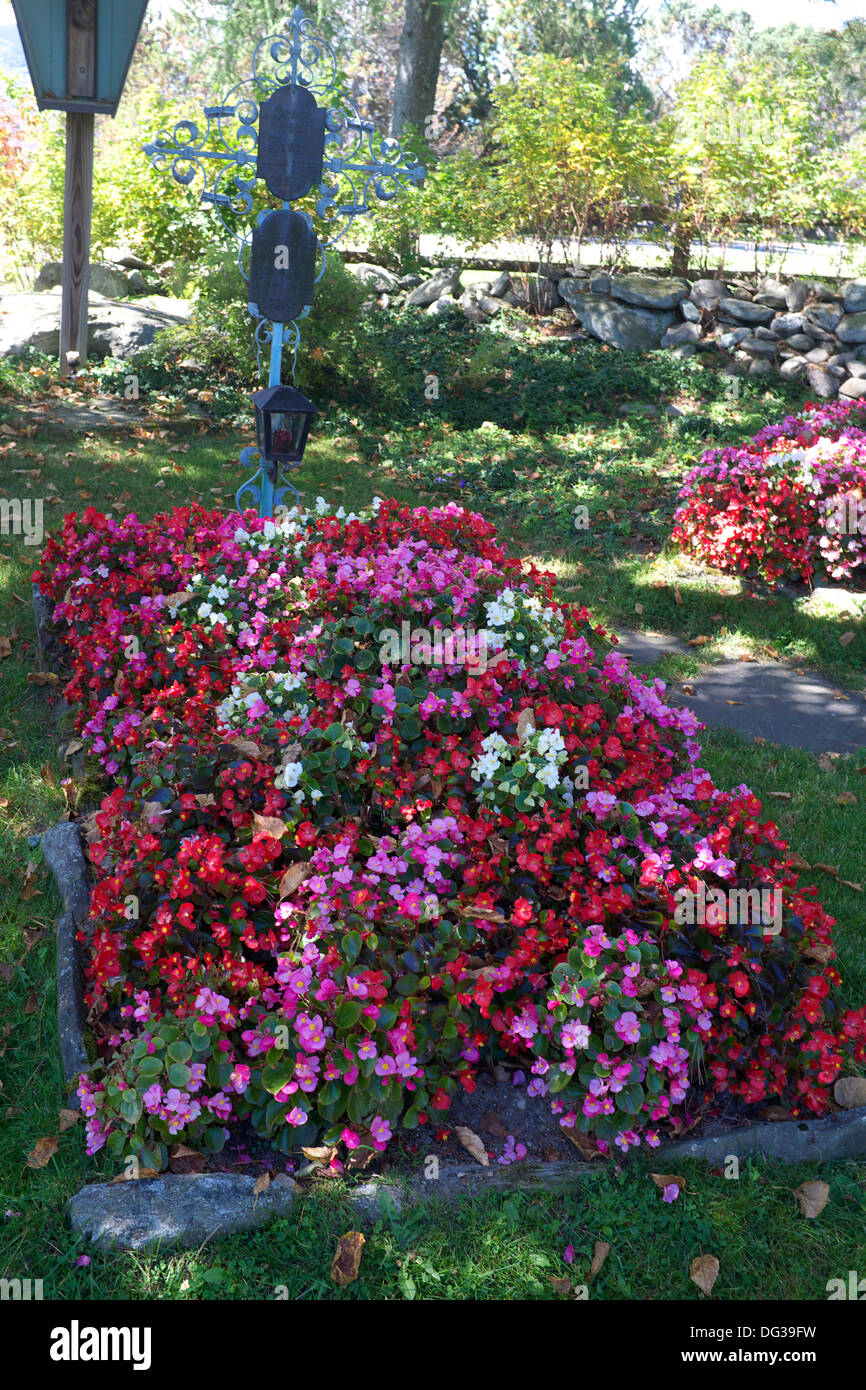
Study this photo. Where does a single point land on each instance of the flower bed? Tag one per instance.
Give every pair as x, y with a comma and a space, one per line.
789, 504
385, 810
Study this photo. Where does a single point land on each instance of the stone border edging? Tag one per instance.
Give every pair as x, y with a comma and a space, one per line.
175, 1210
61, 846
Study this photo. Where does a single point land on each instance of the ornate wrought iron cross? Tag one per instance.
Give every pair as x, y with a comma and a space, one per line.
270, 127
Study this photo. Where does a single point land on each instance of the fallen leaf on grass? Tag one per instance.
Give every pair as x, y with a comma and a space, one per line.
560, 1286
42, 678
45, 1149
704, 1271
846, 883
812, 1197
600, 1252
846, 639
782, 796
678, 598
831, 869
5, 647
347, 1261
68, 1118
664, 1180
796, 861
699, 641
826, 761
28, 887
473, 1145
850, 1092
845, 799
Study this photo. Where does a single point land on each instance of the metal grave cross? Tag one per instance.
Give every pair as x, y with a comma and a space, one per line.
270, 127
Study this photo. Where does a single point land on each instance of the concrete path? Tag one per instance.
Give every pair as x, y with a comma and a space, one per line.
762, 699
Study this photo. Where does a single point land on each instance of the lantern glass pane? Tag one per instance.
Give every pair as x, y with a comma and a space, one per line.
285, 431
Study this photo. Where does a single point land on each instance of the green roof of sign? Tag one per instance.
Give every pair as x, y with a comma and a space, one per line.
42, 25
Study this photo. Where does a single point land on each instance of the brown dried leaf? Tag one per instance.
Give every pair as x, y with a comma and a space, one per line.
600, 1252
585, 1145
347, 1261
664, 1180
473, 1145
262, 1183
831, 869
812, 1197
68, 1118
845, 799
5, 647
560, 1286
846, 639
42, 678
247, 747
525, 720
850, 1092
491, 1123
182, 1159
293, 877
28, 887
269, 825
704, 1271
45, 1149
485, 914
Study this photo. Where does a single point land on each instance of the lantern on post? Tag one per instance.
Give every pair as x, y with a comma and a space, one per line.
283, 420
78, 54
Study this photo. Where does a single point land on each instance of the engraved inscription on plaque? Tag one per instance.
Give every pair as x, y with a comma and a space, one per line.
291, 143
282, 266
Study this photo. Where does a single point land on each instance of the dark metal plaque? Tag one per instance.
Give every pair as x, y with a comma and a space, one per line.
283, 266
291, 142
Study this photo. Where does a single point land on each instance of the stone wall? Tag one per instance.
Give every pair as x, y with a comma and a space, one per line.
745, 327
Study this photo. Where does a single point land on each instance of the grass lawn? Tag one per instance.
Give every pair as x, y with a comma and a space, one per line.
625, 470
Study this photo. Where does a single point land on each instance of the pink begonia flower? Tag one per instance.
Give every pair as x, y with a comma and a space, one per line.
568, 1254
240, 1078
350, 1138
671, 1192
381, 1132
296, 1117
83, 1261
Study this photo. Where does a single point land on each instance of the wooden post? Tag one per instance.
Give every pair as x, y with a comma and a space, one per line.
77, 208
81, 17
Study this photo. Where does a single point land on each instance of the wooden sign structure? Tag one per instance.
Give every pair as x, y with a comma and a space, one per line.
78, 53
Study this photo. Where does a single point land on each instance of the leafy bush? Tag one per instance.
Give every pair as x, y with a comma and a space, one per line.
347, 860
790, 503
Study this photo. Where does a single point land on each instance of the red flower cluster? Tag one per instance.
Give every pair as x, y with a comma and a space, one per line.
790, 503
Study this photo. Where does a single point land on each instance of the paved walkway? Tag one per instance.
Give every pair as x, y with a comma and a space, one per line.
762, 699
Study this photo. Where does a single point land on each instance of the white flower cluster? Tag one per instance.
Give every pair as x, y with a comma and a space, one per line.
530, 769
273, 690
522, 623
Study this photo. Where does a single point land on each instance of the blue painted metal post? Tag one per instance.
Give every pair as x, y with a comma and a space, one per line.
269, 470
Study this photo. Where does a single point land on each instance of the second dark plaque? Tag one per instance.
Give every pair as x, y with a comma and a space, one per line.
282, 266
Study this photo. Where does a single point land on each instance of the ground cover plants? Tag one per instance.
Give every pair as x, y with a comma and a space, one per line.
334, 879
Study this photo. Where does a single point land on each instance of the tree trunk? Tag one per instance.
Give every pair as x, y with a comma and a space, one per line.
418, 64
683, 233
